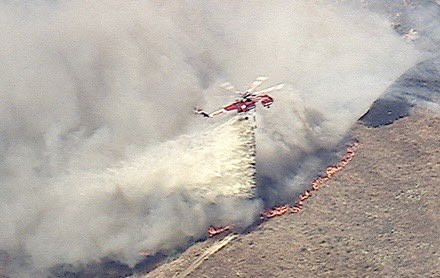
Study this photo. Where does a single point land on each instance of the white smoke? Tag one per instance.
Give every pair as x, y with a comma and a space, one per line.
150, 203
88, 85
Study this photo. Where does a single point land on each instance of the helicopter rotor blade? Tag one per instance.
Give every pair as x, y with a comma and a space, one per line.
257, 83
271, 89
229, 87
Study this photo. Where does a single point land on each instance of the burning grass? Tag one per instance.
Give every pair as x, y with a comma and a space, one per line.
298, 206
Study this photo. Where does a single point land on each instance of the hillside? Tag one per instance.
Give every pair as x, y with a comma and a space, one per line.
380, 216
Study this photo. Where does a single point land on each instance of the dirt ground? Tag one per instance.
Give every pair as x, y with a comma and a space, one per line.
379, 217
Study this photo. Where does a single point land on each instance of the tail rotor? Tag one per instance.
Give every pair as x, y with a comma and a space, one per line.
201, 112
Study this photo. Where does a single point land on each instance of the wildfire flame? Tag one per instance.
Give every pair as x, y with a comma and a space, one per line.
213, 231
330, 172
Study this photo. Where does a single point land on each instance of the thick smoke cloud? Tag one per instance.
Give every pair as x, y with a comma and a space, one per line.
86, 86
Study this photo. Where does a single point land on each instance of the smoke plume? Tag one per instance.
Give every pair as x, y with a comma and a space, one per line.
99, 148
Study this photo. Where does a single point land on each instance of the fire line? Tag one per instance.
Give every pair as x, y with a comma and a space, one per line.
319, 182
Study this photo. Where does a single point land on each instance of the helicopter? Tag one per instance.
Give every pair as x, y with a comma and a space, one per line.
247, 101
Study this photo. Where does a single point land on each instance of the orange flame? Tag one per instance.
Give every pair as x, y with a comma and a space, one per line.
213, 231
276, 211
330, 172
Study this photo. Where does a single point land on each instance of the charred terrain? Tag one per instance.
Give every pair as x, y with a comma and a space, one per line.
378, 217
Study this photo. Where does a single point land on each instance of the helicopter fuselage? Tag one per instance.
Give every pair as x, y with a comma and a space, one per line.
250, 103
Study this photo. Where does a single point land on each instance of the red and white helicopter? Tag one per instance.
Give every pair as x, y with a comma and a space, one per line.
248, 100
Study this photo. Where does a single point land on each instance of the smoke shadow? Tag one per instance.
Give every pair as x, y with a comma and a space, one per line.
419, 86
274, 193
109, 268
